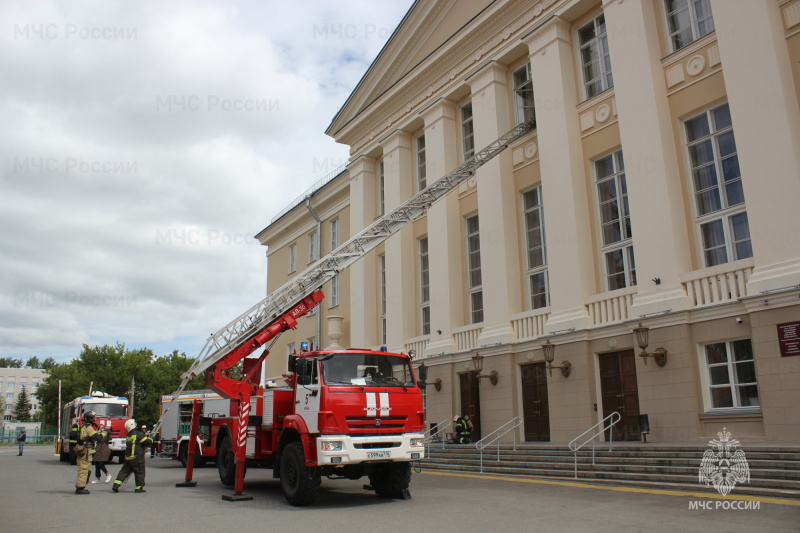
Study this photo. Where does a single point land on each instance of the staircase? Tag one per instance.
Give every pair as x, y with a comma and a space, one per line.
774, 468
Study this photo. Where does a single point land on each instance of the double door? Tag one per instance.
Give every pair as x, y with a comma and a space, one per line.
620, 392
535, 407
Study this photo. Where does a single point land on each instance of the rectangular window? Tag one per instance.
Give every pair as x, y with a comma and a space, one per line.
382, 265
290, 349
422, 173
292, 258
10, 384
717, 182
523, 96
536, 250
688, 21
467, 132
595, 58
334, 234
731, 374
381, 190
615, 218
474, 280
9, 396
335, 290
424, 287
313, 248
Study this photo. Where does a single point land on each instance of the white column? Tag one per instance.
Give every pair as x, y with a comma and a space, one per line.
444, 230
658, 213
363, 278
497, 206
766, 122
569, 242
399, 248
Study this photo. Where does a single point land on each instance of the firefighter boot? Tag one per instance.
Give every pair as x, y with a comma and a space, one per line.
140, 489
115, 486
81, 490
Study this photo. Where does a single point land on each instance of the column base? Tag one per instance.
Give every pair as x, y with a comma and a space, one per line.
576, 318
672, 299
771, 277
499, 334
443, 344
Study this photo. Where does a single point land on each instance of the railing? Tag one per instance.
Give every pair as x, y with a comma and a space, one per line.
418, 345
605, 308
614, 417
494, 437
722, 283
437, 431
467, 337
530, 324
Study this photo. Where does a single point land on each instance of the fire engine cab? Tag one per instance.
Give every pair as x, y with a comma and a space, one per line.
111, 411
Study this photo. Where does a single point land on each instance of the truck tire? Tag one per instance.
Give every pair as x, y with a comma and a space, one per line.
391, 480
300, 484
183, 455
226, 462
63, 456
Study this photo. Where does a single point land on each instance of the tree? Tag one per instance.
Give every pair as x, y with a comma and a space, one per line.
22, 409
49, 363
10, 362
33, 362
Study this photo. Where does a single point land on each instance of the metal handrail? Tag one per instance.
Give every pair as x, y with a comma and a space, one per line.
428, 434
495, 436
614, 417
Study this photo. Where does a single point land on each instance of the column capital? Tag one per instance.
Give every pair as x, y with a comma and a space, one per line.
555, 29
487, 74
395, 140
439, 110
362, 164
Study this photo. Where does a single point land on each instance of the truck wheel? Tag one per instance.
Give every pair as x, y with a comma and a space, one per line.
63, 456
391, 480
299, 483
183, 455
226, 462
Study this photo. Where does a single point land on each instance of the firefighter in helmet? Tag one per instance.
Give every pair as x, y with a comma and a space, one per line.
462, 430
87, 436
135, 444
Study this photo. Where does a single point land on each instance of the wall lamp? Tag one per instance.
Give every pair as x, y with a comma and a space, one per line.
550, 354
642, 339
477, 364
422, 374
437, 383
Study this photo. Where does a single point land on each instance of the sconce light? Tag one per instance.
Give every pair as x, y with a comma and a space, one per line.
437, 383
477, 364
550, 354
642, 339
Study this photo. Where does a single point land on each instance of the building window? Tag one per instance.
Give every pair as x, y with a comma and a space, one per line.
292, 258
731, 374
312, 343
290, 349
535, 245
719, 197
615, 218
335, 290
474, 265
422, 173
382, 265
424, 287
10, 384
523, 96
381, 190
334, 234
467, 132
9, 396
595, 59
313, 247
688, 20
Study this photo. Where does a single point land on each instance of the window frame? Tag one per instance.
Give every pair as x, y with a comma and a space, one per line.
381, 189
334, 234
532, 270
522, 90
606, 71
382, 304
732, 375
424, 286
313, 246
422, 172
473, 265
292, 258
334, 297
693, 23
467, 131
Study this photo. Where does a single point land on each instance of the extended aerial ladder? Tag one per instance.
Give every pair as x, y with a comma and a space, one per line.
280, 310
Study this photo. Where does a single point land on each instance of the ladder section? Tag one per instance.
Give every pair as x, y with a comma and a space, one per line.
286, 297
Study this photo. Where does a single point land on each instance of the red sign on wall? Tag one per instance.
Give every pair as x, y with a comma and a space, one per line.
789, 338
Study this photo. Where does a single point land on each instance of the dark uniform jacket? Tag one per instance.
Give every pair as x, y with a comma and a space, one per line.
135, 443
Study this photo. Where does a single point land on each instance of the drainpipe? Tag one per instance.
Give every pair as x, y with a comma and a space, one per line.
319, 255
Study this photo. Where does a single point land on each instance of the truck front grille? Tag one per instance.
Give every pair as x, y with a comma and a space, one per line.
371, 424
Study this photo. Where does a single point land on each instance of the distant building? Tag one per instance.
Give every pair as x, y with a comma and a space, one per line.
659, 186
13, 380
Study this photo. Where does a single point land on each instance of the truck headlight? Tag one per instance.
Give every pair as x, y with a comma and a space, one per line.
417, 443
331, 446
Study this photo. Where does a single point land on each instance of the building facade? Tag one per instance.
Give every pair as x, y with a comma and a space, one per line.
12, 381
655, 192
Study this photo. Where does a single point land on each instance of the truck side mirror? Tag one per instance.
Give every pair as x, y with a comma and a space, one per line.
292, 364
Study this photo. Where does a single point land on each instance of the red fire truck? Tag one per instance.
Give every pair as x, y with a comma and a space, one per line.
173, 438
112, 411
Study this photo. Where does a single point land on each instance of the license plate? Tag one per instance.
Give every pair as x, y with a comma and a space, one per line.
378, 455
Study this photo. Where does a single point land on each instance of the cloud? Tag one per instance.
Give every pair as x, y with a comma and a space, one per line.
143, 146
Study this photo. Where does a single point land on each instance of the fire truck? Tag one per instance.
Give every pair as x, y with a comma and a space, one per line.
173, 438
342, 413
111, 411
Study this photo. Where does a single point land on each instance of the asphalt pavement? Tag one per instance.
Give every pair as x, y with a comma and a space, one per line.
37, 495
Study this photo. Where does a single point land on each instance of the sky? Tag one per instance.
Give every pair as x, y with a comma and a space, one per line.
144, 144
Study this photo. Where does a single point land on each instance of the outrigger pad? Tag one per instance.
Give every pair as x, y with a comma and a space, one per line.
236, 497
186, 484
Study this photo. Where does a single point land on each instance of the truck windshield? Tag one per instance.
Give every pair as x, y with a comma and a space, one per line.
366, 369
111, 410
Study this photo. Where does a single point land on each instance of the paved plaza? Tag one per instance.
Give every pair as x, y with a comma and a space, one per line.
36, 495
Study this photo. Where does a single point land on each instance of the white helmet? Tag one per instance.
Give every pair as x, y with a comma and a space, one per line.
130, 425
455, 418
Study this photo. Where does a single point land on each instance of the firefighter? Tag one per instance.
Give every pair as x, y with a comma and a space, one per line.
462, 430
87, 435
135, 444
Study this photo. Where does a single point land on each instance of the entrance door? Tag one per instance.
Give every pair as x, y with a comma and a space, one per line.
471, 402
535, 407
620, 392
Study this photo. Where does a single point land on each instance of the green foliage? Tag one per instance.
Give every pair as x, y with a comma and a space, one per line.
33, 362
112, 369
22, 408
49, 363
10, 362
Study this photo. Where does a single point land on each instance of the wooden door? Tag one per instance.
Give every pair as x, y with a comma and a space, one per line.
471, 402
535, 406
620, 392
